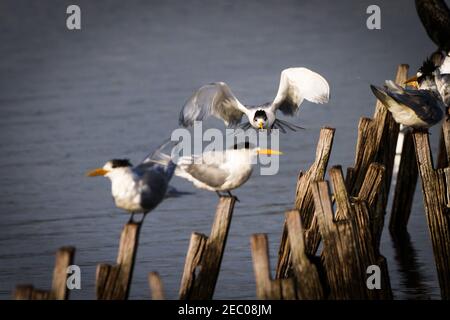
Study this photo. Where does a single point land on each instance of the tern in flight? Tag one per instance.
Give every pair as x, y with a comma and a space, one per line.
219, 171
137, 189
216, 99
418, 109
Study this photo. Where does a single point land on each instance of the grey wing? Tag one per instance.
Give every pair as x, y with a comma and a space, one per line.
214, 99
209, 174
424, 103
156, 182
297, 84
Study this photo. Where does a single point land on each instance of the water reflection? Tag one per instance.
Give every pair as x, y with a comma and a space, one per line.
411, 278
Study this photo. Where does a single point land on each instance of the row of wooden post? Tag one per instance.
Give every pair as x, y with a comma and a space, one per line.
348, 220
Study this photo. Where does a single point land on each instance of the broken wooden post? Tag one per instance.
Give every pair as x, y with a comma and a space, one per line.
377, 141
304, 203
113, 282
156, 286
405, 186
305, 272
435, 188
192, 263
348, 247
64, 258
369, 192
266, 288
207, 257
444, 142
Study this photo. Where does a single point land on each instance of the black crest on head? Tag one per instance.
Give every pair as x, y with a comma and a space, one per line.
117, 163
260, 114
246, 145
427, 68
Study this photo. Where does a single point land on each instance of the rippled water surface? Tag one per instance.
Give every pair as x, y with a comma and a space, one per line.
70, 101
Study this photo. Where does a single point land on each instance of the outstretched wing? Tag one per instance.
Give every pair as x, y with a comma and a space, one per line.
297, 84
214, 99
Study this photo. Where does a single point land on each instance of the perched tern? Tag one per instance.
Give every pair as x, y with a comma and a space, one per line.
435, 17
216, 99
418, 109
219, 171
137, 189
434, 74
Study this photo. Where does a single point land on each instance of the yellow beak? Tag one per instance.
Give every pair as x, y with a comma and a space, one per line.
97, 172
260, 125
413, 82
269, 152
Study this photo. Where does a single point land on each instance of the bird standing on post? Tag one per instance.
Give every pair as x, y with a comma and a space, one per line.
216, 99
137, 189
418, 109
219, 171
434, 75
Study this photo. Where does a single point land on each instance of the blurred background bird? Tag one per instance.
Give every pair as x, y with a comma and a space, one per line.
435, 17
141, 188
216, 99
418, 109
434, 74
219, 171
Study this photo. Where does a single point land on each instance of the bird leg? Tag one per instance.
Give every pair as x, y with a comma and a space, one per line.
218, 193
231, 196
131, 220
284, 124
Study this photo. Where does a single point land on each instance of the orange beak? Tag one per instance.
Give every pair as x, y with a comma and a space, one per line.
97, 172
412, 82
269, 152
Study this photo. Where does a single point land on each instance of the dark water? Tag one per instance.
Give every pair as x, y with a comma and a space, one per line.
70, 101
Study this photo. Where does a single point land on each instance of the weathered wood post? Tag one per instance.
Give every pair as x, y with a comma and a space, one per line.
377, 141
304, 203
156, 286
309, 286
113, 282
348, 246
405, 186
436, 191
204, 255
59, 291
266, 287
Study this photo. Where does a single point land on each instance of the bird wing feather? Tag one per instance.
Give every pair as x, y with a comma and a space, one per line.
422, 102
297, 84
214, 99
206, 168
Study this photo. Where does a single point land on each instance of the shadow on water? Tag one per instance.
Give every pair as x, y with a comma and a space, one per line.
409, 268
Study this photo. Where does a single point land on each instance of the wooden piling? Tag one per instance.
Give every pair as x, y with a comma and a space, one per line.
305, 272
405, 186
266, 287
113, 282
207, 257
348, 244
304, 203
444, 141
156, 286
64, 258
435, 190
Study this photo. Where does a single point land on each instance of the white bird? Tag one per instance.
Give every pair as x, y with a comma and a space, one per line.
137, 189
418, 109
219, 171
216, 99
434, 74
